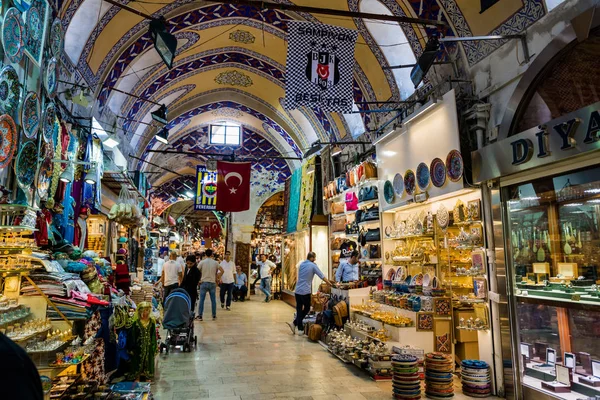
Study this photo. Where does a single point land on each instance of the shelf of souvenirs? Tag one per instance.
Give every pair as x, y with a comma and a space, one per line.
366, 182
388, 316
423, 236
369, 223
17, 229
13, 315
472, 324
18, 265
21, 333
344, 234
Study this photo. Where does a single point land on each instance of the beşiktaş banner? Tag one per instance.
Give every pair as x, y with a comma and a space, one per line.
319, 66
206, 189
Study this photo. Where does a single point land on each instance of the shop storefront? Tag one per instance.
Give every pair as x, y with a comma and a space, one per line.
544, 199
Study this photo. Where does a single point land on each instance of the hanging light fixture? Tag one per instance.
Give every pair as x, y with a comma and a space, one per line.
163, 136
337, 150
68, 174
90, 176
310, 169
160, 115
164, 42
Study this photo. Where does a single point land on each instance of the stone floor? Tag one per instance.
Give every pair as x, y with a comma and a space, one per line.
250, 353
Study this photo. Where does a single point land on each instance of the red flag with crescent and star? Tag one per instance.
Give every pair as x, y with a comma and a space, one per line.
233, 186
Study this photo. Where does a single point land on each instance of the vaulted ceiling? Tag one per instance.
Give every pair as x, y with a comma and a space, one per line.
230, 65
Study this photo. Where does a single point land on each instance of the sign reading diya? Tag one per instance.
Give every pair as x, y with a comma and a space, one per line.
319, 66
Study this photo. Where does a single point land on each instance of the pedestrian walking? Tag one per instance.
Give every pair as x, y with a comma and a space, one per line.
306, 272
266, 269
227, 280
191, 278
210, 272
172, 274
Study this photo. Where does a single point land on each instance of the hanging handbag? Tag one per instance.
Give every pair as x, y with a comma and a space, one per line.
335, 258
367, 194
370, 214
338, 224
341, 183
336, 243
351, 201
374, 251
360, 173
362, 237
337, 207
359, 216
370, 169
352, 228
373, 235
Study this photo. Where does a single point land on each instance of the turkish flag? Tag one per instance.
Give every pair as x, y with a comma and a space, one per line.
233, 186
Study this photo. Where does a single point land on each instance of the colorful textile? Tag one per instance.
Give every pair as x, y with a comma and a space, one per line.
306, 196
294, 200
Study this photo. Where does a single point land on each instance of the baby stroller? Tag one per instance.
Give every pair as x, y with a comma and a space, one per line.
179, 321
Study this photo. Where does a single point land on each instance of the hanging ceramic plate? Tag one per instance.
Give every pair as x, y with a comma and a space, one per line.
12, 35
30, 115
57, 38
34, 24
48, 123
26, 165
437, 170
23, 5
454, 165
9, 91
409, 182
388, 192
8, 140
51, 78
398, 184
45, 178
423, 176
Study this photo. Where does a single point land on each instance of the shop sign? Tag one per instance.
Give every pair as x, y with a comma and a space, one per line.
564, 137
206, 189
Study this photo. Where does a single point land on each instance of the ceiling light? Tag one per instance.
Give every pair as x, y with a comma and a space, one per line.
164, 42
531, 198
91, 175
81, 99
189, 194
68, 174
337, 150
111, 140
573, 205
594, 201
163, 136
593, 191
160, 115
425, 61
314, 148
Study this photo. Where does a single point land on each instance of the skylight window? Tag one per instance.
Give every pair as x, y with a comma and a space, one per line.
226, 134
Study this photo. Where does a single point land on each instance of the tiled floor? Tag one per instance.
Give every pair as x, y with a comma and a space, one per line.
250, 353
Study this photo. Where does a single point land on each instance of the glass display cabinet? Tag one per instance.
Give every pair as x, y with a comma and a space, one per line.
553, 243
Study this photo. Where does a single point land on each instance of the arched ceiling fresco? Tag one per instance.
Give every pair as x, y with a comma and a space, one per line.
230, 65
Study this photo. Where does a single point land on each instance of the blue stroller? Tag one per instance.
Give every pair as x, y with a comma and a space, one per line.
179, 321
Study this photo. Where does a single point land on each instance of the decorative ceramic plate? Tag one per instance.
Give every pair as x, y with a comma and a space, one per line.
423, 176
57, 38
388, 192
419, 279
409, 182
12, 35
48, 123
426, 280
390, 274
45, 177
400, 274
437, 170
398, 184
30, 115
454, 165
26, 164
443, 217
22, 5
51, 78
34, 23
8, 140
9, 91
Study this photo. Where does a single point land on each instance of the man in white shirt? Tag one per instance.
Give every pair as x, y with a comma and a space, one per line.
266, 269
172, 274
227, 280
211, 273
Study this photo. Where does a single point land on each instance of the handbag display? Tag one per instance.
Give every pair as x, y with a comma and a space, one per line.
338, 207
370, 169
340, 311
338, 224
358, 216
374, 251
352, 228
351, 202
341, 184
314, 332
373, 235
335, 258
370, 214
367, 194
336, 243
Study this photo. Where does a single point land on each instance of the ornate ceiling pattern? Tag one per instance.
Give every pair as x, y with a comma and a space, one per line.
230, 64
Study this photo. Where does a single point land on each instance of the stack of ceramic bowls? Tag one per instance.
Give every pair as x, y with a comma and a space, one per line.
438, 376
475, 376
405, 380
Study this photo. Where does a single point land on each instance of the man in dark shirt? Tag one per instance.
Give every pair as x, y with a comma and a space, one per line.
19, 379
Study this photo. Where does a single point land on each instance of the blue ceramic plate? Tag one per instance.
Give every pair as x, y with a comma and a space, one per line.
30, 115
26, 164
388, 192
423, 176
437, 171
12, 35
409, 182
398, 184
454, 165
48, 123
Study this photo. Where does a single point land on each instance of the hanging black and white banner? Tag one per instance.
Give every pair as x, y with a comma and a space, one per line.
319, 67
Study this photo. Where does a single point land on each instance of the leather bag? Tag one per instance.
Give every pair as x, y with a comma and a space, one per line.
360, 173
367, 194
373, 235
351, 201
371, 214
340, 311
374, 251
370, 169
314, 332
336, 243
358, 216
335, 258
338, 224
341, 183
338, 207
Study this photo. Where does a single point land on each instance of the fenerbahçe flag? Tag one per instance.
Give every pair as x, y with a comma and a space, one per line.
206, 189
233, 186
319, 67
